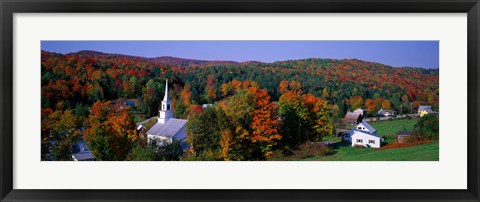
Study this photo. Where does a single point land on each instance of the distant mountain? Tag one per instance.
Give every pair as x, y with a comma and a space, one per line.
167, 60
177, 61
187, 62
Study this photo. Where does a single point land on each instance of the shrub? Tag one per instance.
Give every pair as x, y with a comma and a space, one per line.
152, 151
305, 150
310, 149
427, 128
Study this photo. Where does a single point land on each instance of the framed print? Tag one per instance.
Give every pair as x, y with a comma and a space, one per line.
239, 101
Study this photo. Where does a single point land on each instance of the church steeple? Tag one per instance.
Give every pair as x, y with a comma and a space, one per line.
166, 109
166, 98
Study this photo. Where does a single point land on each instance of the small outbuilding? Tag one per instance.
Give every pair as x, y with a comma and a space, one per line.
402, 136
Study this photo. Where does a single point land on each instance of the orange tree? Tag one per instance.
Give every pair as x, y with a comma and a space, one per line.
110, 134
250, 128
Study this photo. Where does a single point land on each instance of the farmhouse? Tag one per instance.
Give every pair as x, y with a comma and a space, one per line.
386, 112
363, 134
352, 118
167, 128
424, 110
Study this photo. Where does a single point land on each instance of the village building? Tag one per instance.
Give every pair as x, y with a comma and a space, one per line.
352, 118
122, 103
402, 136
362, 111
424, 110
204, 106
82, 153
386, 112
167, 129
363, 134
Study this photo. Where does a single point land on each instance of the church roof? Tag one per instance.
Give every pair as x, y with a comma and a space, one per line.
167, 129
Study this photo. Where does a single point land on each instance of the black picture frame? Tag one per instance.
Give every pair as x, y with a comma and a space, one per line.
10, 7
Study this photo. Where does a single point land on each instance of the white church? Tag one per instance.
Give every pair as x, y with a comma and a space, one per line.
167, 127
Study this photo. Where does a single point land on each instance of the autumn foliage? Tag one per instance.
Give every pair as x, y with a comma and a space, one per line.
305, 117
111, 133
244, 123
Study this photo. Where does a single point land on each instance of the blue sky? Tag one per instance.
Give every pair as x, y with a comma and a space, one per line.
395, 53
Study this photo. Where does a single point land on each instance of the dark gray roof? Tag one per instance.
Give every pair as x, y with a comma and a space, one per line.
168, 129
83, 156
424, 107
387, 110
82, 153
404, 133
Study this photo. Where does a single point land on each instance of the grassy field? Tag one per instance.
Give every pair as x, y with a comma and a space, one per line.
422, 152
389, 128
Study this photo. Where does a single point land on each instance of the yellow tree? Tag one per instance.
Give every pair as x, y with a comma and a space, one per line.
386, 104
356, 102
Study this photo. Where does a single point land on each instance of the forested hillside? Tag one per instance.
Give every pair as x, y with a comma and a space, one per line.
260, 110
79, 79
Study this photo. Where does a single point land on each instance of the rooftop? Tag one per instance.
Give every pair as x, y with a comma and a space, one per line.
404, 133
168, 129
424, 107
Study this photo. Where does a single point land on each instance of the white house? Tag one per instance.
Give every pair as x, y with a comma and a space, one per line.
204, 106
386, 112
363, 134
167, 128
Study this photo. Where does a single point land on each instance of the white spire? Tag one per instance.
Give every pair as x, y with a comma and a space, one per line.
166, 98
166, 107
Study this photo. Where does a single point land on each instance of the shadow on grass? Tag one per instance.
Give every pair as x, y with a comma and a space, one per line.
340, 144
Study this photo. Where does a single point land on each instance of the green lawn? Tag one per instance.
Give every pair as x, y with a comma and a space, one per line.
390, 128
423, 152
